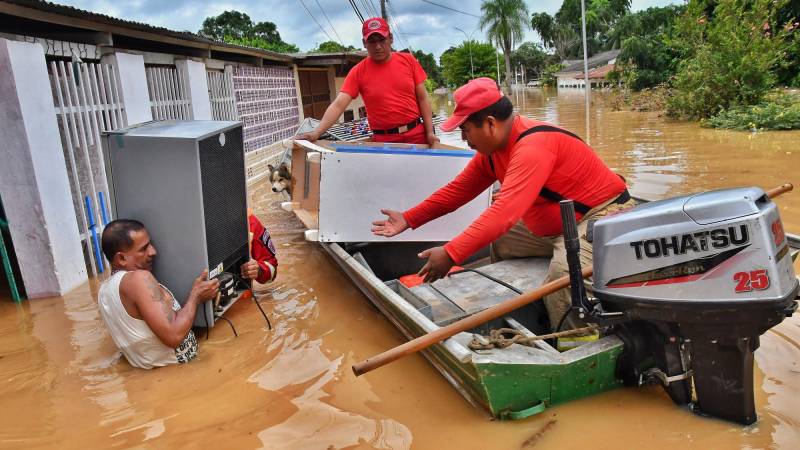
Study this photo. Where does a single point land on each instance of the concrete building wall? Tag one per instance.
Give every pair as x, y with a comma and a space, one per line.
195, 74
355, 105
133, 85
33, 176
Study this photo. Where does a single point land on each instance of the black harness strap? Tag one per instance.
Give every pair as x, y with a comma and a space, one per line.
544, 192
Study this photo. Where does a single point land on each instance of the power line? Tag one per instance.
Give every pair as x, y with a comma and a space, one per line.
375, 8
397, 28
315, 20
329, 23
451, 9
368, 7
355, 9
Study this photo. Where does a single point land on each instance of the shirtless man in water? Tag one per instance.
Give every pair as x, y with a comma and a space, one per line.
145, 320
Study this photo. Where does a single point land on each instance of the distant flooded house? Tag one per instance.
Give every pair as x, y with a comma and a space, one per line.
69, 75
571, 75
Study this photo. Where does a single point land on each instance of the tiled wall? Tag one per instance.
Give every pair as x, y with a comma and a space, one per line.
267, 103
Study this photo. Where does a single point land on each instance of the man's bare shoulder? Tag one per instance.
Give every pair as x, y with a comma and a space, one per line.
139, 284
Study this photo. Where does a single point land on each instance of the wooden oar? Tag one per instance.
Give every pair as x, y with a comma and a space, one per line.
468, 323
782, 189
486, 315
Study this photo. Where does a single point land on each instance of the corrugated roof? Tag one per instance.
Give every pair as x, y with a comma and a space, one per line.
597, 60
598, 73
102, 19
357, 53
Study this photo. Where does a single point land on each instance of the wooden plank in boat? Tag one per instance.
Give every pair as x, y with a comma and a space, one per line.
470, 292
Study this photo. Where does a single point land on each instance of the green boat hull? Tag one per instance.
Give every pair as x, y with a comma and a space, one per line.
511, 383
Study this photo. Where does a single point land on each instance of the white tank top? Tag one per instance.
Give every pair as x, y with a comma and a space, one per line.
133, 337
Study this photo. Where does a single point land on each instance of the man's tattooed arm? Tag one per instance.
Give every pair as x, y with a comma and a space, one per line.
158, 295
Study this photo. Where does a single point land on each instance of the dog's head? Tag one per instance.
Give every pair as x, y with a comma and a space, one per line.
280, 177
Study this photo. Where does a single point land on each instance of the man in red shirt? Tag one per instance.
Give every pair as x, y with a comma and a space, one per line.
537, 164
392, 85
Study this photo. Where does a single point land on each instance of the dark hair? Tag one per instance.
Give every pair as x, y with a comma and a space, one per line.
117, 236
500, 110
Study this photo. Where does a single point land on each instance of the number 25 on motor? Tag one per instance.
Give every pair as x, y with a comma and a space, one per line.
756, 280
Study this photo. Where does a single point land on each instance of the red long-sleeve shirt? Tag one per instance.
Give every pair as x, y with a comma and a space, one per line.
262, 250
558, 161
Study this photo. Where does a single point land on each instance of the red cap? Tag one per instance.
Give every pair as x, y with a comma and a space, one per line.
471, 98
374, 25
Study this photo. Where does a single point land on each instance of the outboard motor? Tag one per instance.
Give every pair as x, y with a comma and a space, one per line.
689, 284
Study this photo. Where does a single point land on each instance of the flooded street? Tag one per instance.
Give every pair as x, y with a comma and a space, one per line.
64, 385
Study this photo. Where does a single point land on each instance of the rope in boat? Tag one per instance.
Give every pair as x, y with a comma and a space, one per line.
497, 338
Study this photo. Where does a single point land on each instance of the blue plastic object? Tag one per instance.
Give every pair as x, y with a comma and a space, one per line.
93, 229
412, 150
103, 212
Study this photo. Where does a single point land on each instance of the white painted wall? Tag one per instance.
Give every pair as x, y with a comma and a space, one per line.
357, 102
133, 84
33, 176
195, 73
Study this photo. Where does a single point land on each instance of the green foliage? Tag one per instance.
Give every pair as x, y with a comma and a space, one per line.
729, 58
257, 42
562, 33
778, 111
505, 22
559, 37
549, 74
235, 27
332, 47
429, 85
455, 62
428, 63
531, 56
647, 58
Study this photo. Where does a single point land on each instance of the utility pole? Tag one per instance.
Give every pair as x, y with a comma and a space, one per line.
383, 10
468, 42
587, 85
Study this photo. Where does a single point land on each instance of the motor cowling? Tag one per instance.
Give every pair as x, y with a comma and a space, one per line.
699, 278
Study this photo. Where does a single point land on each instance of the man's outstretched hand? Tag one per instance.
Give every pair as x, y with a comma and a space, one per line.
393, 225
439, 263
311, 136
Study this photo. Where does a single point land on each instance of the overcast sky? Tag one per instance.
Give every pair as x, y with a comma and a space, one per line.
419, 25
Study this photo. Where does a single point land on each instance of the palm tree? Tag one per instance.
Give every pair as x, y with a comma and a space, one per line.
505, 21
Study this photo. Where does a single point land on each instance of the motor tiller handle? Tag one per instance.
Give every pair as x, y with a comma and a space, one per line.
572, 245
782, 189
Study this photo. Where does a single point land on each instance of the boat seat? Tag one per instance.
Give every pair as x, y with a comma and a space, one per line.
467, 293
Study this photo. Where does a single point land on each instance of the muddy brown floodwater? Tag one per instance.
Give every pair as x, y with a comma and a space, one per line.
64, 385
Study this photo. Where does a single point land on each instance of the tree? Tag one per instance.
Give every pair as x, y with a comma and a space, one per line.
428, 63
556, 36
456, 67
532, 57
236, 27
647, 57
504, 21
729, 57
233, 24
257, 42
332, 47
562, 32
